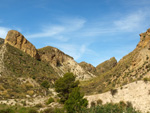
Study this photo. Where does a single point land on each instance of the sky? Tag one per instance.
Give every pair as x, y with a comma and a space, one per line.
88, 30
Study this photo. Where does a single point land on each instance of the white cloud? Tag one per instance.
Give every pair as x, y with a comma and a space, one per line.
47, 32
57, 31
130, 22
3, 31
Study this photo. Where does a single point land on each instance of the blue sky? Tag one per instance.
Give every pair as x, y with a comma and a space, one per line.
88, 30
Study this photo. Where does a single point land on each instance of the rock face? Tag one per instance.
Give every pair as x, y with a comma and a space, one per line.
53, 55
16, 39
88, 67
63, 63
106, 66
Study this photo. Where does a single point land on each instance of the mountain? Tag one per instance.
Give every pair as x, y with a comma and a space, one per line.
88, 67
132, 67
63, 63
101, 68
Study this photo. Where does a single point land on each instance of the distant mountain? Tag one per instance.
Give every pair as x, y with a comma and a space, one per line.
101, 68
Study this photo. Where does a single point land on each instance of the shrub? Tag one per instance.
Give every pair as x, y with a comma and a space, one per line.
113, 91
93, 104
110, 108
50, 100
99, 102
39, 105
75, 101
45, 84
146, 80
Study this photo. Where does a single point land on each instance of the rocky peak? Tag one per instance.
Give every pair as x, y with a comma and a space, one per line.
53, 55
16, 39
87, 67
106, 66
144, 40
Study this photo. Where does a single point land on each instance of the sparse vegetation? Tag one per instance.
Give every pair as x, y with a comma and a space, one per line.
146, 80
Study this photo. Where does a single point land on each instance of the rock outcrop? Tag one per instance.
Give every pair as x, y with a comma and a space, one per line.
16, 39
106, 66
53, 55
144, 39
88, 67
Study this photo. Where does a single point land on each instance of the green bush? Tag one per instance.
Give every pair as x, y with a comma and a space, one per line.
45, 84
110, 108
99, 102
65, 85
50, 100
75, 101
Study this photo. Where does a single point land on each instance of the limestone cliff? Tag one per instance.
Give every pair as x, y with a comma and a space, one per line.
17, 40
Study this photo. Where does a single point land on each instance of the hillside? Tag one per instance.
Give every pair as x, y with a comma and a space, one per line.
138, 93
26, 73
132, 67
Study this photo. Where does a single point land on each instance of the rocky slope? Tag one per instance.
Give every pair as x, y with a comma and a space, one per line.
132, 67
63, 63
138, 93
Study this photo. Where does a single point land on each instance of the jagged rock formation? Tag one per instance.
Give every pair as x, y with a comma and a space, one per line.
88, 67
106, 66
17, 40
132, 67
63, 63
